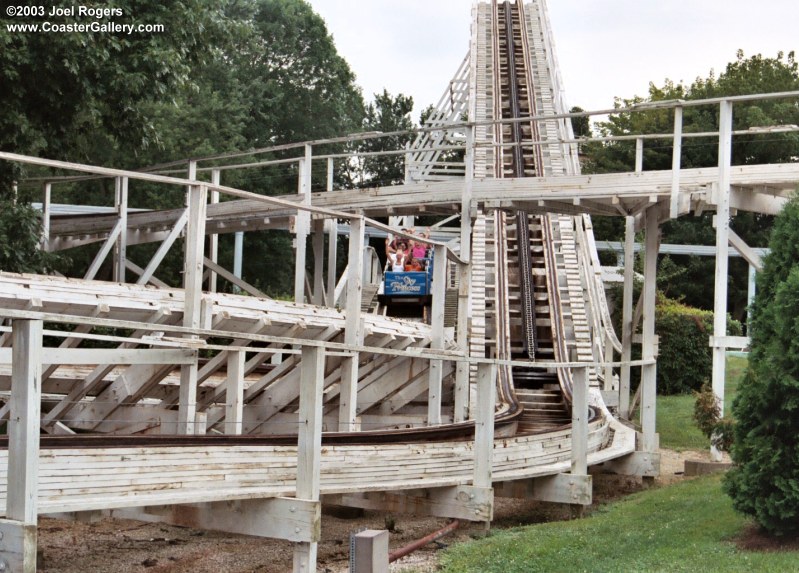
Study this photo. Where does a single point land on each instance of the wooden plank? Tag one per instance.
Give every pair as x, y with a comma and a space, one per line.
68, 356
439, 291
217, 269
192, 303
310, 420
309, 444
649, 373
234, 392
164, 247
484, 424
579, 436
23, 423
103, 252
627, 317
121, 247
280, 518
353, 330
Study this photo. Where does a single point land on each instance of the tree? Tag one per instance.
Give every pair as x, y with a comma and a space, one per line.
228, 76
67, 95
297, 85
765, 480
20, 233
386, 114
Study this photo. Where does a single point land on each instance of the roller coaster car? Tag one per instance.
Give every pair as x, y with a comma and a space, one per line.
407, 294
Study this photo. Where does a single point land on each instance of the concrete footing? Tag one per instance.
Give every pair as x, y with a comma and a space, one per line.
700, 468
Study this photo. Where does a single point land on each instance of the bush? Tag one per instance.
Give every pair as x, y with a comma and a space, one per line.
765, 481
685, 358
707, 415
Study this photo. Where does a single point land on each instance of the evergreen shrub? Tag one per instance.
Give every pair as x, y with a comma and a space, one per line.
765, 480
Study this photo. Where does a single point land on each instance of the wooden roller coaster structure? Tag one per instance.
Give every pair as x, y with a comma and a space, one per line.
243, 413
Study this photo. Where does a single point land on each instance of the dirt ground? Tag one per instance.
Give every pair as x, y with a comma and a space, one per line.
123, 546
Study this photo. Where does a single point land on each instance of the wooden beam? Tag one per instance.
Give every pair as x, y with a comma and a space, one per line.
279, 518
309, 445
579, 434
676, 159
47, 194
456, 502
217, 269
439, 291
332, 260
94, 356
192, 303
353, 330
648, 346
569, 488
302, 225
722, 256
121, 247
213, 238
164, 247
234, 392
484, 424
153, 280
462, 369
95, 378
24, 421
103, 252
318, 244
748, 253
627, 317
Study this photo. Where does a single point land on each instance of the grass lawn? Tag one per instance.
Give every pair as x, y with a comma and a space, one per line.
675, 422
689, 526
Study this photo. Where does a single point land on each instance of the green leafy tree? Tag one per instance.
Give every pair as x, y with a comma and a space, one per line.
20, 233
386, 114
765, 480
227, 76
67, 95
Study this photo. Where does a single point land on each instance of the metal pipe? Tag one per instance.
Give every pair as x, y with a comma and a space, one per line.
419, 543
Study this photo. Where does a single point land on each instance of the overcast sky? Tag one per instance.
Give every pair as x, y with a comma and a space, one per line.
606, 48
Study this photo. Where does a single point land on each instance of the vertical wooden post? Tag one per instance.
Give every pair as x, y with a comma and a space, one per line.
332, 244
649, 372
435, 374
238, 257
579, 458
46, 210
353, 331
484, 424
627, 317
639, 154
722, 256
234, 392
318, 261
121, 247
674, 203
213, 239
303, 225
608, 355
309, 444
192, 313
751, 291
461, 394
24, 420
18, 543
